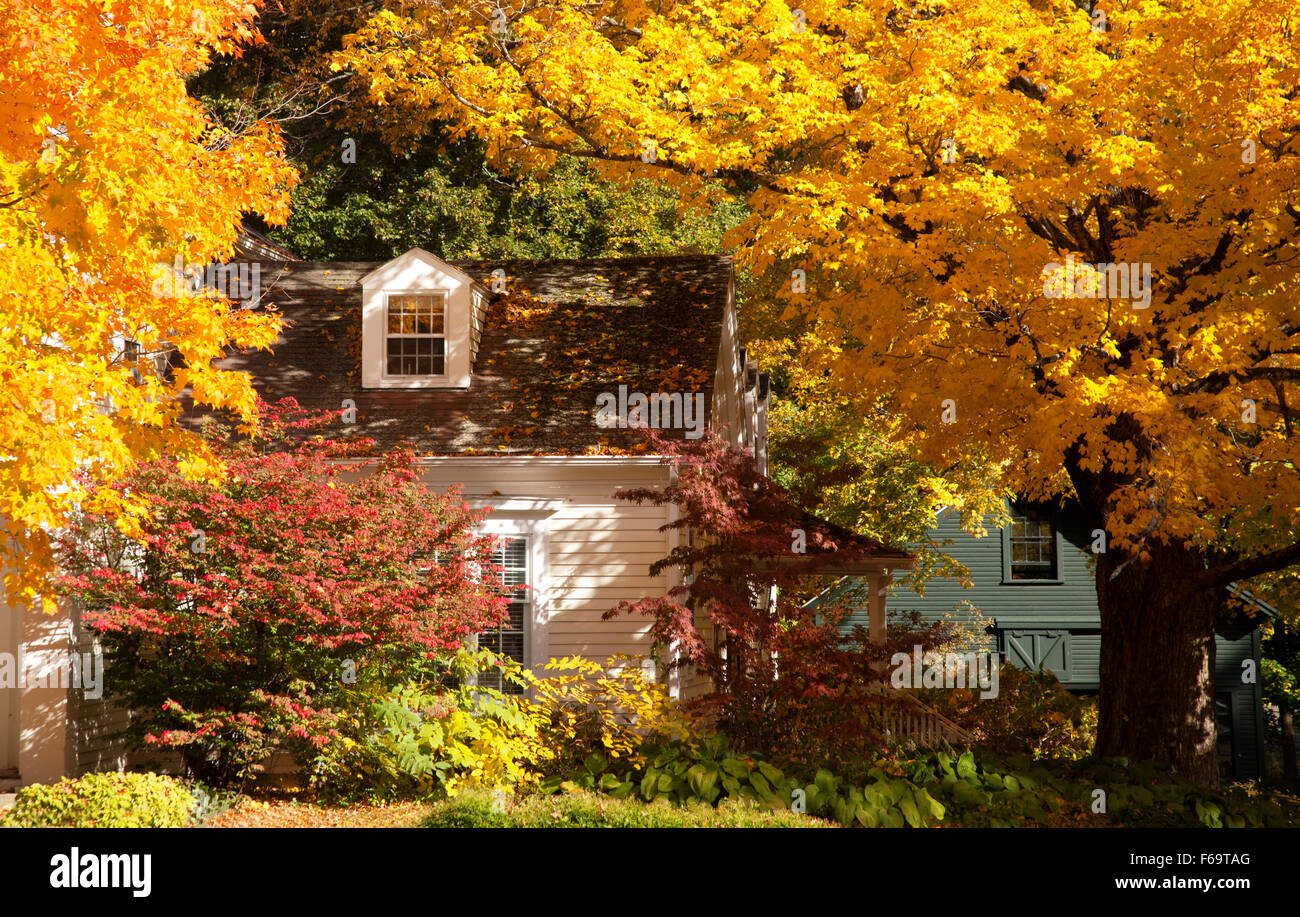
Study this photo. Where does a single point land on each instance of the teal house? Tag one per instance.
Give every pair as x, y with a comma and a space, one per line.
1034, 582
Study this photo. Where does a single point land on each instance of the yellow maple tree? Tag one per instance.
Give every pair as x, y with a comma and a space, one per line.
112, 178
1060, 234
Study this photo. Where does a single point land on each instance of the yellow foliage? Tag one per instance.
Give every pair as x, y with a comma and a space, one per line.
109, 170
942, 173
580, 700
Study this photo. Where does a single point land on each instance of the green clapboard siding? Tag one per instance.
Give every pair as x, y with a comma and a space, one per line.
1056, 624
1069, 603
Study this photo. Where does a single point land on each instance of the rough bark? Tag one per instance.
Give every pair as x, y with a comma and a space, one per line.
1157, 660
1289, 773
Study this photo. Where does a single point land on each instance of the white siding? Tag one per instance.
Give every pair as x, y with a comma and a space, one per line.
596, 550
10, 633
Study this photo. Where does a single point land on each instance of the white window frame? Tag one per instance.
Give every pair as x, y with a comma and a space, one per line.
534, 527
399, 378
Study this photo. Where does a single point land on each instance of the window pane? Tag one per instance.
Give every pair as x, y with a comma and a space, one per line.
415, 326
511, 555
512, 644
1033, 549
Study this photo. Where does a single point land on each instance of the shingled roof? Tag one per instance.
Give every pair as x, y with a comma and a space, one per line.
562, 333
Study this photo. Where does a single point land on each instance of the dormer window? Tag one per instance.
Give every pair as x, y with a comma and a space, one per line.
421, 321
416, 340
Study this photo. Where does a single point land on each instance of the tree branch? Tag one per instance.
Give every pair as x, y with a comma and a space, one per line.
1254, 566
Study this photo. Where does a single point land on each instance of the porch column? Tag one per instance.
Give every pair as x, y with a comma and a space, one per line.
879, 584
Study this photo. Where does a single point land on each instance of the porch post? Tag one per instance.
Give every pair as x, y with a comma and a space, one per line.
879, 583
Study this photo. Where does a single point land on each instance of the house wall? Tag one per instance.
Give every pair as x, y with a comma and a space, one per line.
10, 709
92, 720
591, 549
43, 707
1071, 602
1236, 671
738, 413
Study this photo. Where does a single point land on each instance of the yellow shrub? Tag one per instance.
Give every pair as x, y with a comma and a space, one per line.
579, 706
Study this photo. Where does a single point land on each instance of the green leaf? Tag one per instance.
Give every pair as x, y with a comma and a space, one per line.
891, 818
773, 775
701, 779
967, 795
908, 807
827, 782
844, 811
735, 767
927, 805
966, 766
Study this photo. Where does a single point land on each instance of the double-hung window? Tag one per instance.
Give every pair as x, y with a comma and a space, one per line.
416, 339
1031, 548
510, 638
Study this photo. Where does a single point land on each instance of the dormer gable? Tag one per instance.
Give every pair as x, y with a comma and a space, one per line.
421, 319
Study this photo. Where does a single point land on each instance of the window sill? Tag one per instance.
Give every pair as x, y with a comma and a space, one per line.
416, 382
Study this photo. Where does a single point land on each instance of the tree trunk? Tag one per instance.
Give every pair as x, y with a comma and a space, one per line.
1288, 744
1157, 661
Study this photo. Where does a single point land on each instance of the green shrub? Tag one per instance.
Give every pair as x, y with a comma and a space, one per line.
963, 791
103, 801
584, 809
710, 772
428, 739
937, 789
1137, 795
